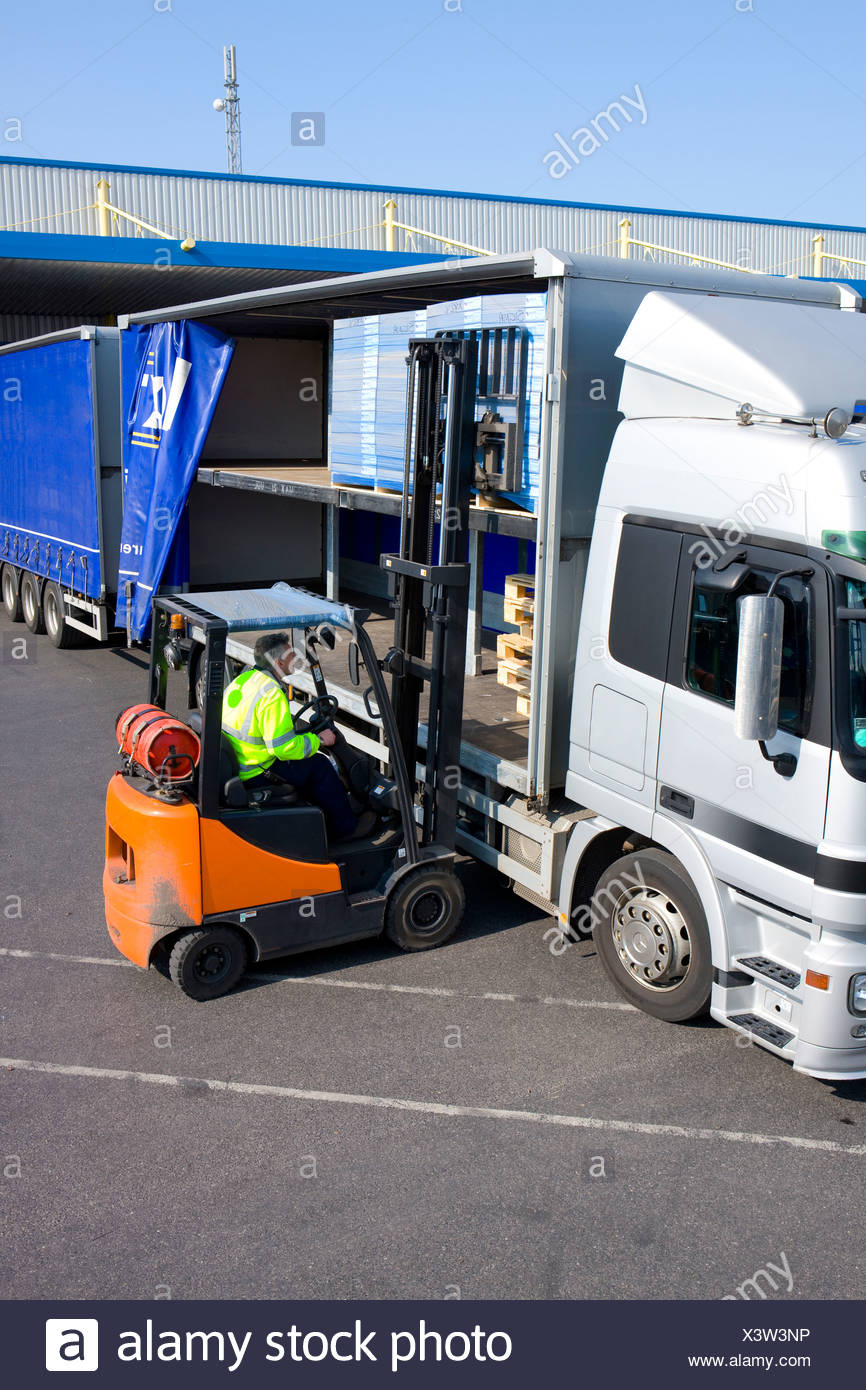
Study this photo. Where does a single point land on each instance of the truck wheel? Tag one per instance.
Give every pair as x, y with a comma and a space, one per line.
11, 585
208, 963
31, 603
425, 909
54, 614
653, 939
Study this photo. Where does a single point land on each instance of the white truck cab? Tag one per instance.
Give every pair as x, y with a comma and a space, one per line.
734, 751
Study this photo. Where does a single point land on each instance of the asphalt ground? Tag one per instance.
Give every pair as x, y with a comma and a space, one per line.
483, 1121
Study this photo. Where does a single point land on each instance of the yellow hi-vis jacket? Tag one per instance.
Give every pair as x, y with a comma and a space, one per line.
257, 721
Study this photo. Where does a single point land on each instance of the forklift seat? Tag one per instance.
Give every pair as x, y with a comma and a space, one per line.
233, 791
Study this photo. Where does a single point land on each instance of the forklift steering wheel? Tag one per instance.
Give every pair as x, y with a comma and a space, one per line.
324, 708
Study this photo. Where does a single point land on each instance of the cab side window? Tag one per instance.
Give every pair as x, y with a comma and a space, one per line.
711, 660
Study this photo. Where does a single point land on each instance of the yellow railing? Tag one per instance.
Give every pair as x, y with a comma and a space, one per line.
819, 256
626, 241
105, 209
391, 225
109, 213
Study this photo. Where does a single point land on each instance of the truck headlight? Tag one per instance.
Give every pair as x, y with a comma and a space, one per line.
857, 994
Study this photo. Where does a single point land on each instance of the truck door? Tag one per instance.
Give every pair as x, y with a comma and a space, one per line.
759, 829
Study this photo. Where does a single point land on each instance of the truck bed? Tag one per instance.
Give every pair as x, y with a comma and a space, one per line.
313, 483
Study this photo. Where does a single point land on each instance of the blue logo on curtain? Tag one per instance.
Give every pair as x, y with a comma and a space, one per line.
178, 374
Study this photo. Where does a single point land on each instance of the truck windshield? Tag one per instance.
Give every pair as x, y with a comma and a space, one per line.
852, 639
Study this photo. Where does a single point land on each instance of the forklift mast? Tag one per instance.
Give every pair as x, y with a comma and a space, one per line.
429, 578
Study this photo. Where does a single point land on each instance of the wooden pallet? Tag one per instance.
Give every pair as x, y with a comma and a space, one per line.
514, 674
520, 611
514, 649
514, 645
520, 586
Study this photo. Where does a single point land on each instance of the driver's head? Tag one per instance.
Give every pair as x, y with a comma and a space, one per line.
274, 652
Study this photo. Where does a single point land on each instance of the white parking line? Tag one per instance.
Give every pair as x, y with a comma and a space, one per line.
68, 960
429, 1107
275, 978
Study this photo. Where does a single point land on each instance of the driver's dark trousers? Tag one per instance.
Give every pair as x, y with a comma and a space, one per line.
317, 781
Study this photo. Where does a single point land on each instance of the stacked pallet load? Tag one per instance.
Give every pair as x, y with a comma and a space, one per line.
514, 649
368, 398
368, 386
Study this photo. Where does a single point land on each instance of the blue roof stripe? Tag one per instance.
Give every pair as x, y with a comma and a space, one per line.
54, 246
386, 188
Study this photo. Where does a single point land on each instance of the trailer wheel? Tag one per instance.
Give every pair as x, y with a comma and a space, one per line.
11, 586
54, 614
425, 909
208, 963
652, 938
31, 603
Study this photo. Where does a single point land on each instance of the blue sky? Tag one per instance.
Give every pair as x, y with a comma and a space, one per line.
754, 107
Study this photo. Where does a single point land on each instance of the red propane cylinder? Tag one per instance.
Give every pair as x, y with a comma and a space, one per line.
163, 746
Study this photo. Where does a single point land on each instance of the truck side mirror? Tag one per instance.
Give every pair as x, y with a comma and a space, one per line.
759, 666
354, 663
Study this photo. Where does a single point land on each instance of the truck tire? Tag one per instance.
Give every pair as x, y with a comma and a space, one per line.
54, 616
653, 939
10, 580
208, 963
31, 603
425, 909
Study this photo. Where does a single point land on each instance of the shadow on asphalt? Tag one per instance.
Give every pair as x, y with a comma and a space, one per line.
503, 911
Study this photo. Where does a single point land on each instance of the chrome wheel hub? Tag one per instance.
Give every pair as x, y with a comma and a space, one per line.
651, 938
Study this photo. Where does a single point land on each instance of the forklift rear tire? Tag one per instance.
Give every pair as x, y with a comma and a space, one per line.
208, 963
425, 909
11, 583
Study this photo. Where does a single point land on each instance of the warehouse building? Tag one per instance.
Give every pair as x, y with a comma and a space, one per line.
87, 240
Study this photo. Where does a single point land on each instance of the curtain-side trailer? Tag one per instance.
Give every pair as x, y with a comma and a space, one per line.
613, 804
60, 482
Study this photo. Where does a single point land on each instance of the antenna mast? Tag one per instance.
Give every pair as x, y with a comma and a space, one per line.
233, 111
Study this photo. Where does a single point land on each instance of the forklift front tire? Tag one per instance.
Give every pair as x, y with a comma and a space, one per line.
425, 909
208, 963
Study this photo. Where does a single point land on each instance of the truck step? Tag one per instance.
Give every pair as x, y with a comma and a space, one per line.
763, 1028
762, 965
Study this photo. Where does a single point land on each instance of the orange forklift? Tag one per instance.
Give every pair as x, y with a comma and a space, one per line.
203, 877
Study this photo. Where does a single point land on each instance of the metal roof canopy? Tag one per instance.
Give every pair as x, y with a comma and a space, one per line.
280, 606
85, 277
282, 311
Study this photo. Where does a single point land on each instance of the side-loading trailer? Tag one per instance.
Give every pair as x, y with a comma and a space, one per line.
588, 802
61, 487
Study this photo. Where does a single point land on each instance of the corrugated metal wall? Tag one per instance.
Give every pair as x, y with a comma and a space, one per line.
16, 327
47, 197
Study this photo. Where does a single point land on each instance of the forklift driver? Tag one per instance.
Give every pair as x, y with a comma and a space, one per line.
257, 721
